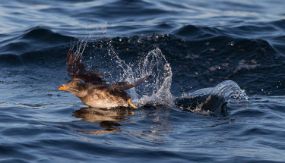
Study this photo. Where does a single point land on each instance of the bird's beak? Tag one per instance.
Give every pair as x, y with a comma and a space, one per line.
63, 87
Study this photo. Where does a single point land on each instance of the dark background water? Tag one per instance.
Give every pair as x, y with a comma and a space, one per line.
206, 42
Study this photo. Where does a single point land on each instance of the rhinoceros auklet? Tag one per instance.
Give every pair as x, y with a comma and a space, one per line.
92, 90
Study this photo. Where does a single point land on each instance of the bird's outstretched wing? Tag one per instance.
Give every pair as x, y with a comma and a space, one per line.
76, 69
126, 85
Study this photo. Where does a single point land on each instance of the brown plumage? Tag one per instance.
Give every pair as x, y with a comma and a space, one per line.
92, 90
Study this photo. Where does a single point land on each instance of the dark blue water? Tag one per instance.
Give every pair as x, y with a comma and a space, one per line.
205, 43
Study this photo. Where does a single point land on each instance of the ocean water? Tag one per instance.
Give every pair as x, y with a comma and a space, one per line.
229, 56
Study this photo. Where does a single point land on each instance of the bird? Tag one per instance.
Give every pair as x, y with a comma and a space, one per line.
90, 87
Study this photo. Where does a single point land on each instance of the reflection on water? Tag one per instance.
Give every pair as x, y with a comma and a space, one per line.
151, 124
107, 118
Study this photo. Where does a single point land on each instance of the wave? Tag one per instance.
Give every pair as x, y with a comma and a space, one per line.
212, 100
211, 59
33, 46
190, 38
45, 35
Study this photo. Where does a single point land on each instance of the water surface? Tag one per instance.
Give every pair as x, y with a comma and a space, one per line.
204, 42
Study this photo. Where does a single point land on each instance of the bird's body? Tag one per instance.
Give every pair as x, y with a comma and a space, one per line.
92, 90
104, 97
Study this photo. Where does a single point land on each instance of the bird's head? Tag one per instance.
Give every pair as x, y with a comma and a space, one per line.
76, 86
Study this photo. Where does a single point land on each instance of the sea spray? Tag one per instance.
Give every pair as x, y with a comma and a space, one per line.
157, 91
227, 89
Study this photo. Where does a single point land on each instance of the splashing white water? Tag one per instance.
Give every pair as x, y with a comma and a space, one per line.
156, 90
228, 89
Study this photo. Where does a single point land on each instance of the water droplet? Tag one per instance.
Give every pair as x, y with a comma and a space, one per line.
232, 43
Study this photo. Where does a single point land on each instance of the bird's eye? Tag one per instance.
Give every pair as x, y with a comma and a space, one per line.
80, 83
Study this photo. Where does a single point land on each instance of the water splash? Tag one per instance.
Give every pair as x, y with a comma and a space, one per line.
212, 100
156, 90
127, 73
228, 89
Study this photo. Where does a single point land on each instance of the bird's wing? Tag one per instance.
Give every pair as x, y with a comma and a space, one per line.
127, 85
76, 69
